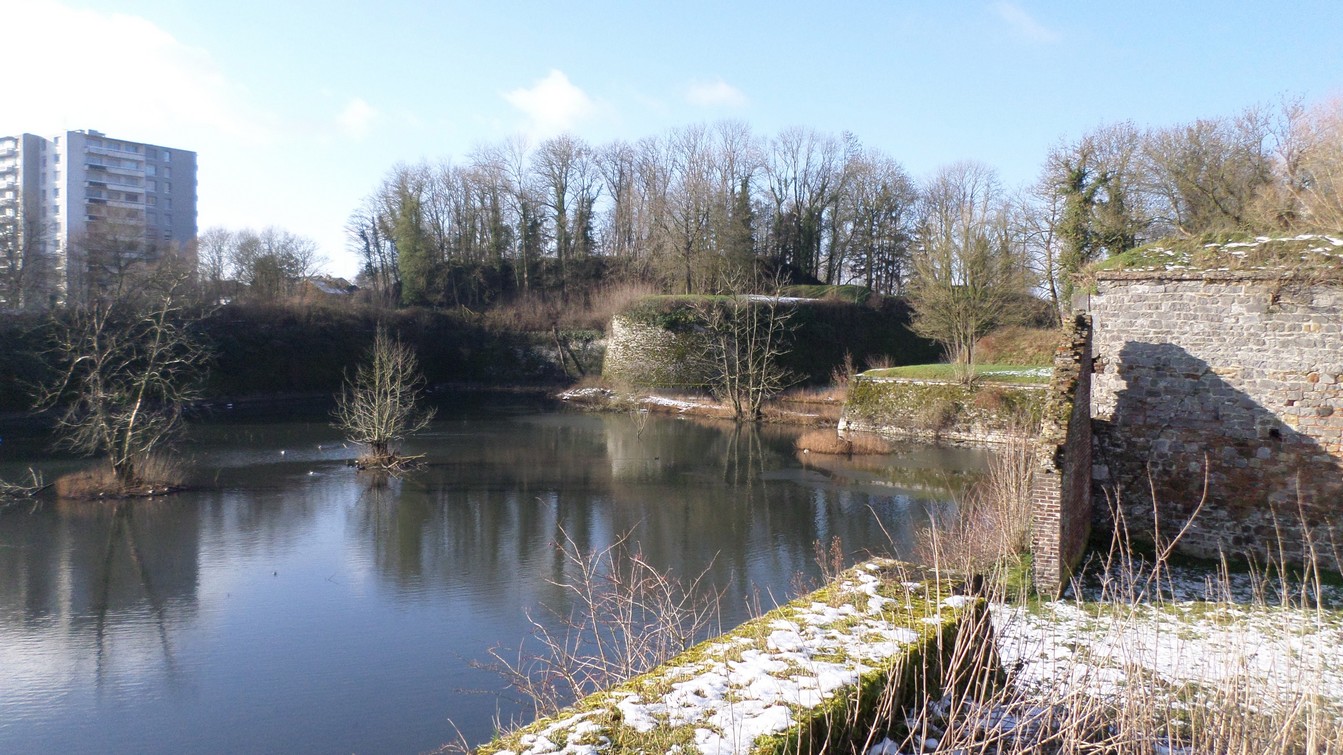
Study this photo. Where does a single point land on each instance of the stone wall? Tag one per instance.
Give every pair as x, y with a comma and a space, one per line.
1061, 486
644, 355
941, 410
1222, 394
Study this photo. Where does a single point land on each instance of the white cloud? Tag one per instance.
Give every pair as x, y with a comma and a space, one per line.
717, 93
1023, 23
117, 73
552, 105
357, 118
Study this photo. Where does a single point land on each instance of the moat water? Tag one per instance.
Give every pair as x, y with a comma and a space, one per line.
290, 604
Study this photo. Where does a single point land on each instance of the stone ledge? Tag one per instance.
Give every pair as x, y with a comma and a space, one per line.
801, 677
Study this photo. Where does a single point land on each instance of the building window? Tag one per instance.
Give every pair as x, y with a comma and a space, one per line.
168, 203
152, 185
167, 187
167, 172
167, 156
55, 192
152, 201
167, 219
55, 175
56, 157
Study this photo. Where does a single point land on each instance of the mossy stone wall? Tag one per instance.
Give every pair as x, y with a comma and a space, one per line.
882, 636
938, 410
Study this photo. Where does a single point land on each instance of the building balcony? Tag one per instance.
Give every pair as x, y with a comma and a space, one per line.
96, 168
93, 149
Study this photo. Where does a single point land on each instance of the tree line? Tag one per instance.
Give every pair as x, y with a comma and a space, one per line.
696, 206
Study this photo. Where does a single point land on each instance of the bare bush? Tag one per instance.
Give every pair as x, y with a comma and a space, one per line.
379, 406
624, 617
993, 519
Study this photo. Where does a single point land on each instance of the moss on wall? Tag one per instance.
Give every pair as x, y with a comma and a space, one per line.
945, 410
894, 626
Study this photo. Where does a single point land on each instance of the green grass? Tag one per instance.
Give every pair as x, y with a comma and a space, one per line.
1023, 374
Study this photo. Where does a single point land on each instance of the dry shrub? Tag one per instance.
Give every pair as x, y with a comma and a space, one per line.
880, 362
1143, 658
989, 398
589, 309
843, 372
621, 617
1018, 344
155, 475
829, 441
993, 520
937, 415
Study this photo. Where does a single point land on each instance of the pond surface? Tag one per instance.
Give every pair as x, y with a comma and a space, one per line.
291, 605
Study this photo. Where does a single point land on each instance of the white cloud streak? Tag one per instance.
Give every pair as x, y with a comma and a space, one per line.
717, 93
1023, 23
357, 118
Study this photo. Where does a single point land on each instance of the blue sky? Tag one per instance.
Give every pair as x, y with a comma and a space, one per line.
298, 108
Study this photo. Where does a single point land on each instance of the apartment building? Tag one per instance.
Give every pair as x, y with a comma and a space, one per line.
75, 203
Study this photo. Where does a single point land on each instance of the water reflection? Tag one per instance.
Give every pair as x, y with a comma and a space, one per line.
334, 611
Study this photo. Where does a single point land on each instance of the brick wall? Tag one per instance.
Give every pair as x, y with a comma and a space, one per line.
1061, 486
1224, 380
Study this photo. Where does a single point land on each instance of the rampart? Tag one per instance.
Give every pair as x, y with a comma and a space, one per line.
1217, 406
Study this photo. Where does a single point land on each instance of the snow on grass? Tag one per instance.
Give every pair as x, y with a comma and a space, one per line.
680, 405
1261, 253
1222, 635
725, 696
586, 394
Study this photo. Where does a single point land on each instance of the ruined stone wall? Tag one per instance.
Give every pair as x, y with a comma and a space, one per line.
1061, 484
1233, 379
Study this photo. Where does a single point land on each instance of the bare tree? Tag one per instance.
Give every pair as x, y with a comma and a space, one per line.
273, 263
129, 363
747, 336
379, 406
966, 277
1310, 167
214, 250
27, 272
1207, 175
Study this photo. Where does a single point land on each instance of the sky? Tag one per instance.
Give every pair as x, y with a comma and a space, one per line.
297, 109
